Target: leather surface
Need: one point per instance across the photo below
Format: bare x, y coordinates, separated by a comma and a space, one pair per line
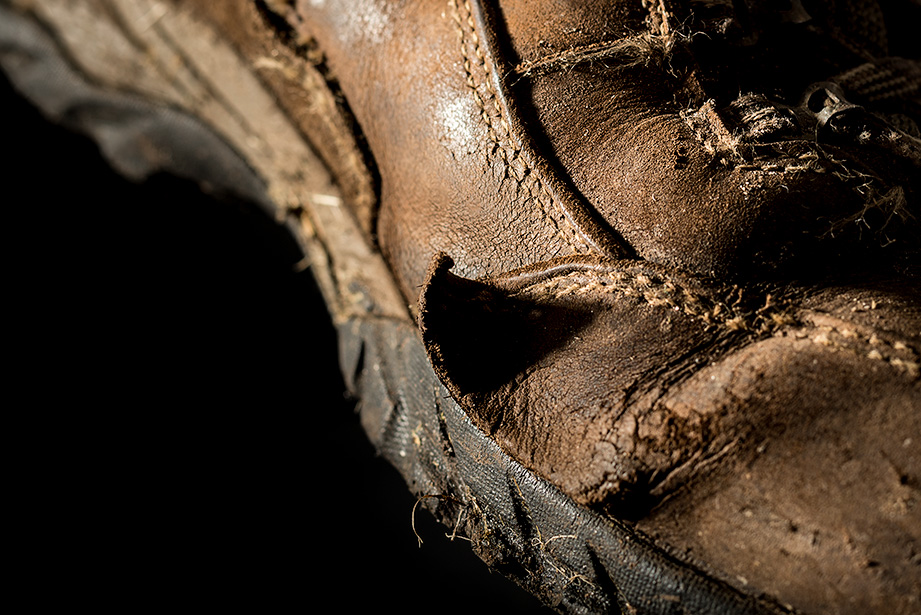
670, 272
428, 103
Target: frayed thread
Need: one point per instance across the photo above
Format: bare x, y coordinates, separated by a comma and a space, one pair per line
638, 50
890, 208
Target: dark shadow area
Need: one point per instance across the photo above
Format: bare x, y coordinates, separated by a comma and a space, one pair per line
187, 440
484, 337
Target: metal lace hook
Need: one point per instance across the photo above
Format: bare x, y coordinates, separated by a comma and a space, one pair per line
824, 105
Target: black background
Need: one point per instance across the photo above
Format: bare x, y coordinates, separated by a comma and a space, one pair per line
184, 438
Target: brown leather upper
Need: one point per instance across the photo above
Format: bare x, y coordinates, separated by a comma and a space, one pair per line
668, 290
429, 105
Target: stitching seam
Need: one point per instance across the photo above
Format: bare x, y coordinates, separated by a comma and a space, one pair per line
661, 291
666, 292
500, 135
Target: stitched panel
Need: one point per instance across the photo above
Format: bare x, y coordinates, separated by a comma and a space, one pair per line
504, 145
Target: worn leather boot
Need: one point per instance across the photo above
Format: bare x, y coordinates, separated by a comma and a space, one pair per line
628, 289
666, 253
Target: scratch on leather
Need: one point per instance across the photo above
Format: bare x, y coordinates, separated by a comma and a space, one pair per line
500, 136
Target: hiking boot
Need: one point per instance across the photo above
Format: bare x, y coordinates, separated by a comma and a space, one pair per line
628, 290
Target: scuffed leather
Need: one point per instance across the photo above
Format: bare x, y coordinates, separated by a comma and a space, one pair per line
645, 283
457, 173
778, 428
617, 379
654, 145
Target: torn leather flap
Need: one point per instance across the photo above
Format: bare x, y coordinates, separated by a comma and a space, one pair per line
567, 365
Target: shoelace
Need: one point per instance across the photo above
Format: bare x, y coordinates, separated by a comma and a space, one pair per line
890, 82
